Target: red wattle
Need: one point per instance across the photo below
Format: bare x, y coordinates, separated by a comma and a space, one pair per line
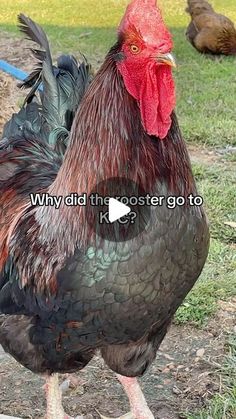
153, 87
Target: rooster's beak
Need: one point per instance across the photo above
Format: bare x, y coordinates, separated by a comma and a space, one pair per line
167, 59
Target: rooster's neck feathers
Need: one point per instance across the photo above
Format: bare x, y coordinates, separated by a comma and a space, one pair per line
107, 141
108, 138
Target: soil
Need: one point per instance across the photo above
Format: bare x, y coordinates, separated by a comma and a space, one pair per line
184, 375
15, 52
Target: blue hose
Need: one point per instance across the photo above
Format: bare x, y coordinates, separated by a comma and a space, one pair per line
14, 71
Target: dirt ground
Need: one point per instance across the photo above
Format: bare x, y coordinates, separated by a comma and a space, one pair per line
184, 375
15, 52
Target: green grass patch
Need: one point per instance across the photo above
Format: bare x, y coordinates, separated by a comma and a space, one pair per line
217, 184
218, 280
222, 405
205, 86
230, 157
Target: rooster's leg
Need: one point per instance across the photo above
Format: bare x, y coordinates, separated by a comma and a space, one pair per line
54, 402
138, 404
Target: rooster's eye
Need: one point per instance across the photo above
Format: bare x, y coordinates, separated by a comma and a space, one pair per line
134, 49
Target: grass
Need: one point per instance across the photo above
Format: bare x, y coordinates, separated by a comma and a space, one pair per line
206, 105
223, 405
217, 184
217, 282
206, 108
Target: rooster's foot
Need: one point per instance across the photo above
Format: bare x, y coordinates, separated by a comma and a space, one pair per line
54, 403
139, 408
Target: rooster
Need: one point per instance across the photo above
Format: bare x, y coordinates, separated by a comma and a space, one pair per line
65, 292
208, 31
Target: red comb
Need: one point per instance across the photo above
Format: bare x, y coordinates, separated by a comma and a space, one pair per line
146, 17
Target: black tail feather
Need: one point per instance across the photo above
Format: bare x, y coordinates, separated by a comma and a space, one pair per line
34, 33
49, 114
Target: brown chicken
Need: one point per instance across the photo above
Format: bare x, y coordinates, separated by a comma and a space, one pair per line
208, 31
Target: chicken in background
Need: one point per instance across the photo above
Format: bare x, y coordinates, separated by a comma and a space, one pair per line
208, 31
66, 293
